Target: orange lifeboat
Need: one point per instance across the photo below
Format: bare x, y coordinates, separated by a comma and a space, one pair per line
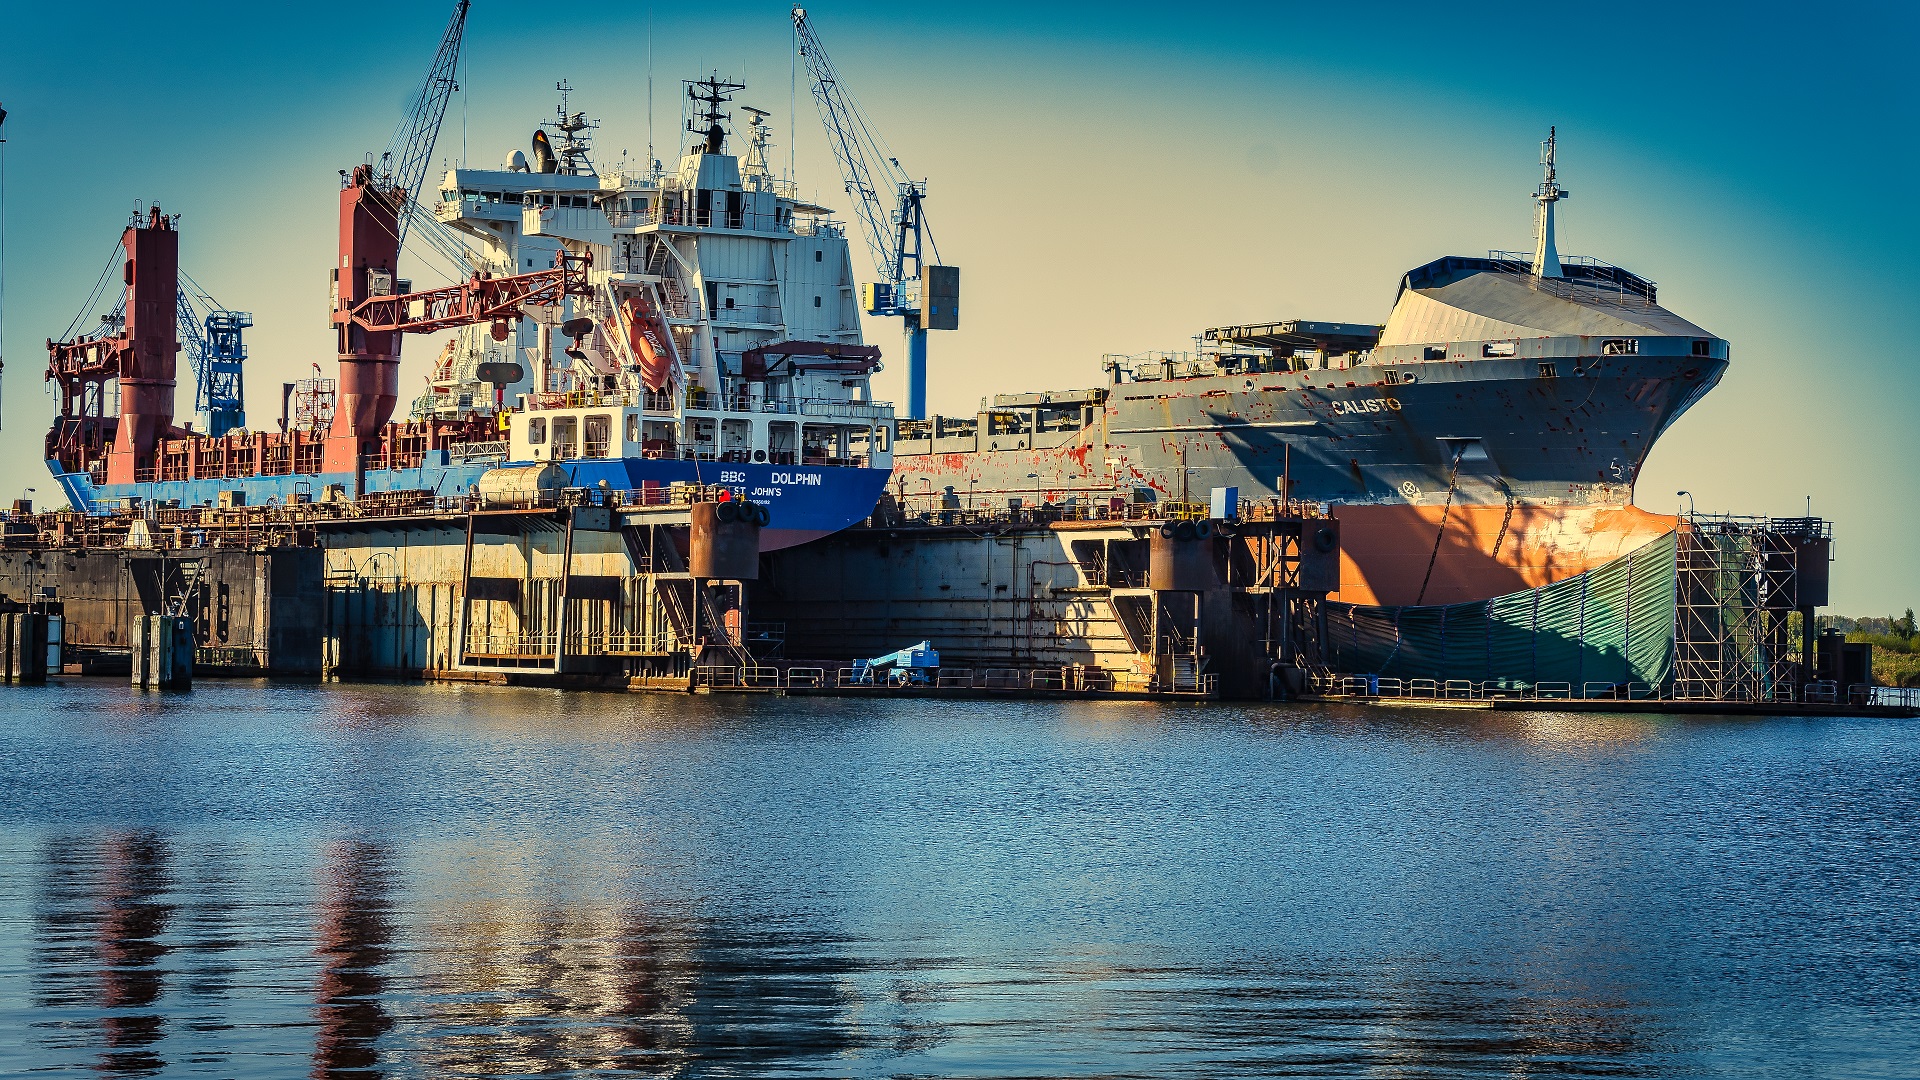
648, 340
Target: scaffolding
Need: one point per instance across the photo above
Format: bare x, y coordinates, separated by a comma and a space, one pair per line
1738, 580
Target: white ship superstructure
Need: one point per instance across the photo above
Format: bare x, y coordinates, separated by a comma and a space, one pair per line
723, 323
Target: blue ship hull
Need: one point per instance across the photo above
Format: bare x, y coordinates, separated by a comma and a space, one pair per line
806, 501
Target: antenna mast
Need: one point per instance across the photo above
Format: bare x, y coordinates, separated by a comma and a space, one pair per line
1546, 259
571, 127
711, 119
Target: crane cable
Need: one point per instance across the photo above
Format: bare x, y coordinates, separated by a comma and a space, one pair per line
93, 297
3, 239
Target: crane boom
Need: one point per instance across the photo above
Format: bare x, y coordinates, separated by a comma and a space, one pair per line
854, 147
411, 150
896, 240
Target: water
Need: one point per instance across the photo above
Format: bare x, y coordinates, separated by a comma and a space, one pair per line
362, 881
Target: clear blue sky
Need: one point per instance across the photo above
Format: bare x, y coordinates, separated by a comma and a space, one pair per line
1112, 178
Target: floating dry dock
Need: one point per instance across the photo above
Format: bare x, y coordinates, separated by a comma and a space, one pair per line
592, 587
667, 590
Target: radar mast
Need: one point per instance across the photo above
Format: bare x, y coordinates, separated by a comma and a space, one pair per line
1546, 258
571, 127
710, 121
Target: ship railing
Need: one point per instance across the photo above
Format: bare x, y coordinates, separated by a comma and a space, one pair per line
818, 226
953, 678
478, 451
1824, 691
716, 675
827, 407
806, 678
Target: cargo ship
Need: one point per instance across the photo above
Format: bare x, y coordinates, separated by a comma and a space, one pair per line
1485, 439
642, 328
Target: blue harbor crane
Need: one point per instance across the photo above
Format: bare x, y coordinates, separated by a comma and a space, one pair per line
211, 336
925, 295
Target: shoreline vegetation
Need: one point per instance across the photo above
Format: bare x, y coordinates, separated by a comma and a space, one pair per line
1895, 641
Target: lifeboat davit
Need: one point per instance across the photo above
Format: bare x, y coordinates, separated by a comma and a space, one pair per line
648, 341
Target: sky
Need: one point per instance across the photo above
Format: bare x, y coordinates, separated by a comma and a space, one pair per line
1110, 177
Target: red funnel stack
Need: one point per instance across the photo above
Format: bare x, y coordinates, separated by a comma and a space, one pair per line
147, 367
369, 359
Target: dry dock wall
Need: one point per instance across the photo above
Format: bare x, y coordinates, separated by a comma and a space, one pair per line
1018, 599
400, 596
253, 610
1030, 598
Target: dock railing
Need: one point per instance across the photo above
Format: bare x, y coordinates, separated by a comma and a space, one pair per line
1369, 686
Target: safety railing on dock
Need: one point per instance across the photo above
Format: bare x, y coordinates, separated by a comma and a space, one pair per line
1336, 685
1095, 505
1073, 678
151, 526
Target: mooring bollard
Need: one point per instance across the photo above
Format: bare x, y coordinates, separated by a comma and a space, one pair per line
163, 652
23, 647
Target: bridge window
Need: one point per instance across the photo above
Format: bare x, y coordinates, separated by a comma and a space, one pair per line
781, 440
537, 431
566, 430
599, 433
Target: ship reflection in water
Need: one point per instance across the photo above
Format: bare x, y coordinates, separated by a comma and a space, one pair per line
475, 882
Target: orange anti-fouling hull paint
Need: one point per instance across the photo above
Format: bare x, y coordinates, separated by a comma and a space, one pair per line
1385, 550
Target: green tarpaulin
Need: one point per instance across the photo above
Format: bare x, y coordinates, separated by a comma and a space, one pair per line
1613, 624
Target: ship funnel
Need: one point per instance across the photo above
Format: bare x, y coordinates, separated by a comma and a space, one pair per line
146, 373
1546, 258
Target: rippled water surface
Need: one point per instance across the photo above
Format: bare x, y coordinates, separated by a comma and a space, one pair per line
262, 880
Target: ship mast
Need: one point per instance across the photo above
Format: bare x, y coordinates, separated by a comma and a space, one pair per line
1546, 259
572, 128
